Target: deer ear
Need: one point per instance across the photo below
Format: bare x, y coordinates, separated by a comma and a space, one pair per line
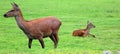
11, 4
15, 4
88, 22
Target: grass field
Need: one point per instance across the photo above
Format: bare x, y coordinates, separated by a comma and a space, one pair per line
105, 15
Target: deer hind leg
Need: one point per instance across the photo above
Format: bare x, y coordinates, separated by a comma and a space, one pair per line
42, 42
54, 40
29, 43
56, 37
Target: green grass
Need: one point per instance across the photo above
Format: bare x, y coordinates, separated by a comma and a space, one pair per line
105, 15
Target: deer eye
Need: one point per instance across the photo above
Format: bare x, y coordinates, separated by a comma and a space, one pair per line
11, 10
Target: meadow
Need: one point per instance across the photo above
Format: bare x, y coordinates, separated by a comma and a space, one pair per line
74, 14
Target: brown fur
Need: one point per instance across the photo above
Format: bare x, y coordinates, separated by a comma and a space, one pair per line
84, 32
38, 28
78, 32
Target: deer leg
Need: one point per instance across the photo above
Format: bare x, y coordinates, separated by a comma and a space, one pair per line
85, 35
56, 37
29, 43
53, 39
92, 35
42, 42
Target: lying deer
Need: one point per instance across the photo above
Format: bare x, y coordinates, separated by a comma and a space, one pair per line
84, 32
38, 28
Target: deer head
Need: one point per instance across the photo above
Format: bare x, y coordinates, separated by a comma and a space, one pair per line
90, 25
12, 12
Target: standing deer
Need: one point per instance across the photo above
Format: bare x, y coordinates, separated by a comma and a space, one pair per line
84, 32
38, 28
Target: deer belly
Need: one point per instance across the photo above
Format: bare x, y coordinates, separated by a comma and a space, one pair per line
29, 35
78, 33
46, 34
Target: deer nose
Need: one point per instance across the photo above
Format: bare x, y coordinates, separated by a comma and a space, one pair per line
5, 15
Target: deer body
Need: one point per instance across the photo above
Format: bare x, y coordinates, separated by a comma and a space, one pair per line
84, 32
38, 28
44, 27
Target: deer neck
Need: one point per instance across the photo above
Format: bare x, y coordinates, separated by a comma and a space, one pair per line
20, 20
87, 29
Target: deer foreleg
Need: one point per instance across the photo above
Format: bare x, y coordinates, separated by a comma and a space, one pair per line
92, 35
29, 43
42, 42
85, 35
